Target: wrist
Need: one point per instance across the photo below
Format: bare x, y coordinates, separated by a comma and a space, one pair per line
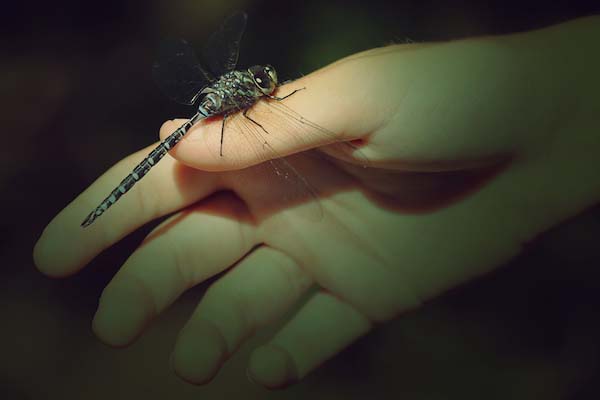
562, 164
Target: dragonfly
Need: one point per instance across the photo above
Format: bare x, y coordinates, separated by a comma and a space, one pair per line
218, 89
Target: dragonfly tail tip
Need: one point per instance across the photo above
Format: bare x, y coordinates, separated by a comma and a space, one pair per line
88, 220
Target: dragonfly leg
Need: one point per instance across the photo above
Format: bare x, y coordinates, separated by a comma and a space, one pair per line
286, 96
222, 132
245, 114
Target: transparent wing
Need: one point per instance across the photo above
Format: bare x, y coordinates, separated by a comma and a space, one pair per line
293, 180
178, 73
277, 183
222, 48
291, 127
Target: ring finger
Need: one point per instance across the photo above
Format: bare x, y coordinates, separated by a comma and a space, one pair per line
258, 290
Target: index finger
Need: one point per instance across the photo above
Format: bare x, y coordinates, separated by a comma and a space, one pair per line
65, 247
316, 110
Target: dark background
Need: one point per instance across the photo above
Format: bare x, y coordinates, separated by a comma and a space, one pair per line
77, 96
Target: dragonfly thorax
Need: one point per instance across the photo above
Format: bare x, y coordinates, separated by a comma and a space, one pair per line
238, 90
235, 90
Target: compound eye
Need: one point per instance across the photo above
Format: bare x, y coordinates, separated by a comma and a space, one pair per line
264, 77
262, 80
270, 71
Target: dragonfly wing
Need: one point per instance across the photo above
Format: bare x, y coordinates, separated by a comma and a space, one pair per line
277, 182
222, 48
291, 127
178, 73
275, 127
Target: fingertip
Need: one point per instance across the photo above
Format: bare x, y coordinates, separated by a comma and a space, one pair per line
123, 312
169, 127
111, 340
41, 255
49, 254
199, 352
271, 367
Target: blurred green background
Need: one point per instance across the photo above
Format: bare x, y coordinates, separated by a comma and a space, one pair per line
77, 96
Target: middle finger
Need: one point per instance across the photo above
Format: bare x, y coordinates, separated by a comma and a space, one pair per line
180, 253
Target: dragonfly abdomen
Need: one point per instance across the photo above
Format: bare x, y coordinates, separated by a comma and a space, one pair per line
142, 169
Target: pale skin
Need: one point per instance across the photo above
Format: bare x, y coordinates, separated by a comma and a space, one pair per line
524, 106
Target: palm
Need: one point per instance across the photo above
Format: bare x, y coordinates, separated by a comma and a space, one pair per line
369, 248
332, 236
372, 255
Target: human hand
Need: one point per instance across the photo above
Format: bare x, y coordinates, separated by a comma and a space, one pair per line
511, 137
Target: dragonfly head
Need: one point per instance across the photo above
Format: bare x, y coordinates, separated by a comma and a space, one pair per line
264, 77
